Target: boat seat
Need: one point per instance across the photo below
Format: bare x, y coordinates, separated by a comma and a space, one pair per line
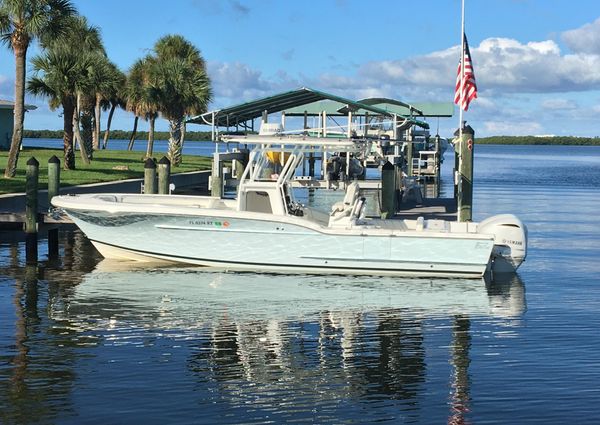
345, 206
349, 206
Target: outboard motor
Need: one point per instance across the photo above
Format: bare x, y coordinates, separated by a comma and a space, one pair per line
510, 241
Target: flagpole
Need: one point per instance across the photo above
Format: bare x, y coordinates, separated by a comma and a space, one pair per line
462, 69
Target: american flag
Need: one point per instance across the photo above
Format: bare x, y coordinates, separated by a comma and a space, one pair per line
466, 85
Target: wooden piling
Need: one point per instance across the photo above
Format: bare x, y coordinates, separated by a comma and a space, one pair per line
388, 190
398, 186
149, 176
409, 157
465, 174
53, 178
216, 178
164, 175
456, 166
53, 243
239, 165
31, 210
438, 165
53, 190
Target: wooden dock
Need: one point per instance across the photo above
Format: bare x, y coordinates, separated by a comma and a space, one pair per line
12, 206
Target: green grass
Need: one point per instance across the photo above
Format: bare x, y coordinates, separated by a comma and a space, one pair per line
100, 170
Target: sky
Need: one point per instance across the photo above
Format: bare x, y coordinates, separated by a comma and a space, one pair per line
536, 62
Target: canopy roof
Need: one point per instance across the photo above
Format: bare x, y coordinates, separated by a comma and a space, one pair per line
291, 102
392, 106
431, 109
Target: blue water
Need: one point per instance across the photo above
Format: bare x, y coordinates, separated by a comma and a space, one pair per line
160, 146
85, 342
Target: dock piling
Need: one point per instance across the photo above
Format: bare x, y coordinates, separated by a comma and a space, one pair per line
465, 174
164, 175
53, 190
388, 190
31, 210
456, 167
53, 178
149, 176
410, 152
216, 178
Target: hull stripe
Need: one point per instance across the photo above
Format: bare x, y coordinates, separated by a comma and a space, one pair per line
314, 267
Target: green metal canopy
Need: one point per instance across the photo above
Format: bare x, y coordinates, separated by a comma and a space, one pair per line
429, 109
239, 114
385, 103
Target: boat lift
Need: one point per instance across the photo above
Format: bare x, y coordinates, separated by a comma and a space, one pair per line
387, 132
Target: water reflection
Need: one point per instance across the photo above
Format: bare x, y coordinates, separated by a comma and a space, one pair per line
266, 346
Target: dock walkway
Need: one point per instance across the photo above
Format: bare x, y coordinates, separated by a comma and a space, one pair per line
12, 205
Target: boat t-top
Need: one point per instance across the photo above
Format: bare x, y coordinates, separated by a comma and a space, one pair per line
266, 229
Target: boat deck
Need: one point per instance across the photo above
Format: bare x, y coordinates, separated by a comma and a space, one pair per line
430, 209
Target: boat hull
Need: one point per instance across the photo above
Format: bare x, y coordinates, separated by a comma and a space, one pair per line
269, 245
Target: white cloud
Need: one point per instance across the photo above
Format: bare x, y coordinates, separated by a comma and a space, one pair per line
585, 39
512, 128
510, 76
501, 64
435, 69
535, 67
558, 104
234, 82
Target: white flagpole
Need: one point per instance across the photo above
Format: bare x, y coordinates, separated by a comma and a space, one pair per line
462, 68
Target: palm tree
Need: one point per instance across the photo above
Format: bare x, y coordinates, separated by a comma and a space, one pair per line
58, 75
180, 85
141, 98
107, 90
134, 93
99, 77
85, 39
114, 98
21, 22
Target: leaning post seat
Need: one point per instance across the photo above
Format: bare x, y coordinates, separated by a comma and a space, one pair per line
345, 207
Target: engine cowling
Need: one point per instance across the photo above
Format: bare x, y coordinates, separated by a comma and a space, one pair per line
510, 241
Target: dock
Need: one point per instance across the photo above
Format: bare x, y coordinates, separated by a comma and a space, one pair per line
12, 205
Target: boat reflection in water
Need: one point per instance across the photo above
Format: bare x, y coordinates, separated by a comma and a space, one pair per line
195, 296
311, 340
259, 347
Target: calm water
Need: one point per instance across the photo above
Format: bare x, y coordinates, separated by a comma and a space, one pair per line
84, 342
160, 146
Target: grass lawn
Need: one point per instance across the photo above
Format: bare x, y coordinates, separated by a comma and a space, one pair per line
107, 165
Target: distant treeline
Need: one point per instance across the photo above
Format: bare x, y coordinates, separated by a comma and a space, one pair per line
120, 135
206, 135
539, 140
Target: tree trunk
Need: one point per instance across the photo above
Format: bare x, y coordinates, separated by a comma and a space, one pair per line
150, 147
96, 127
87, 132
69, 154
82, 145
183, 130
20, 48
107, 132
133, 134
174, 151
